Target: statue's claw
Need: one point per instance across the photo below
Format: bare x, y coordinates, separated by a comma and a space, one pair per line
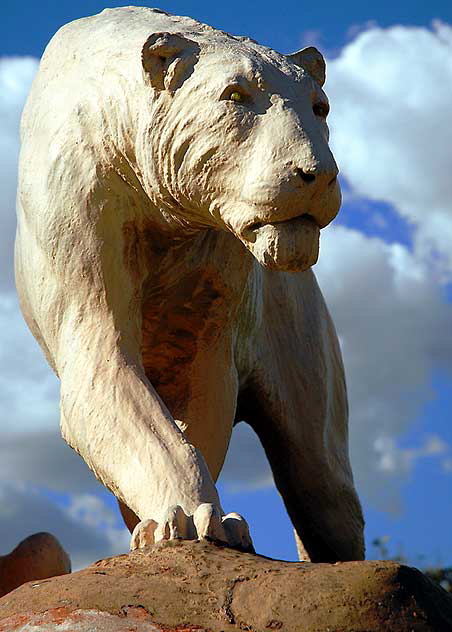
207, 523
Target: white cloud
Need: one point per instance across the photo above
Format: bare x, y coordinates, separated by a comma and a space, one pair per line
92, 512
394, 328
447, 465
86, 528
29, 391
16, 75
396, 460
391, 91
41, 456
391, 94
246, 466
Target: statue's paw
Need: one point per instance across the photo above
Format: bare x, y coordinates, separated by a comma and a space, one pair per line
175, 525
143, 534
237, 532
231, 530
206, 523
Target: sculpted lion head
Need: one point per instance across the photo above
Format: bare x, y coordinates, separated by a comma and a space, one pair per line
237, 139
214, 131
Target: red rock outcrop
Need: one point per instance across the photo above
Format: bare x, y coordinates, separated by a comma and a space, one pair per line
37, 557
191, 585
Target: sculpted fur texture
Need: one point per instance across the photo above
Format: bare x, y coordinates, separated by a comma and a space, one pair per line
173, 183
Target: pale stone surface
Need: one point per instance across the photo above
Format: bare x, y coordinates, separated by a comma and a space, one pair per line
37, 557
173, 183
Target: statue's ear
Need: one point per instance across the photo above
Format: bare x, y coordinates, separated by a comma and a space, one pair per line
311, 60
168, 59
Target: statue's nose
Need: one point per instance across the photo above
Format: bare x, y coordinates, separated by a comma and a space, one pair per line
306, 176
309, 175
317, 188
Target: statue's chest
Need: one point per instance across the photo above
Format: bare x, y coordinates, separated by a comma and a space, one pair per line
181, 322
192, 306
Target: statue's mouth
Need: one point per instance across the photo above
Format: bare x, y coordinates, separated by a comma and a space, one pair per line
290, 244
297, 222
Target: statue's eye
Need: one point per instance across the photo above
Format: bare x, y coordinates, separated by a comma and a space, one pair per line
237, 96
321, 109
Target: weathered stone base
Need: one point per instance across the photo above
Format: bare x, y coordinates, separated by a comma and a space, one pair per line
188, 586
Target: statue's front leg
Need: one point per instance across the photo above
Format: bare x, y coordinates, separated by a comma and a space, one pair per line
113, 417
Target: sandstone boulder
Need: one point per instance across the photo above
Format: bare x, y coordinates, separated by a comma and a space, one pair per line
37, 557
192, 585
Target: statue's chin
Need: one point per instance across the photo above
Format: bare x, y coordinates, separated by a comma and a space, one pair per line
289, 246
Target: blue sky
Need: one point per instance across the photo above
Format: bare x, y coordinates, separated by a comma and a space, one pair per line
26, 28
385, 269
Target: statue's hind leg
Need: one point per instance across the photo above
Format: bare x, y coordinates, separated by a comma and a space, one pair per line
296, 402
312, 475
